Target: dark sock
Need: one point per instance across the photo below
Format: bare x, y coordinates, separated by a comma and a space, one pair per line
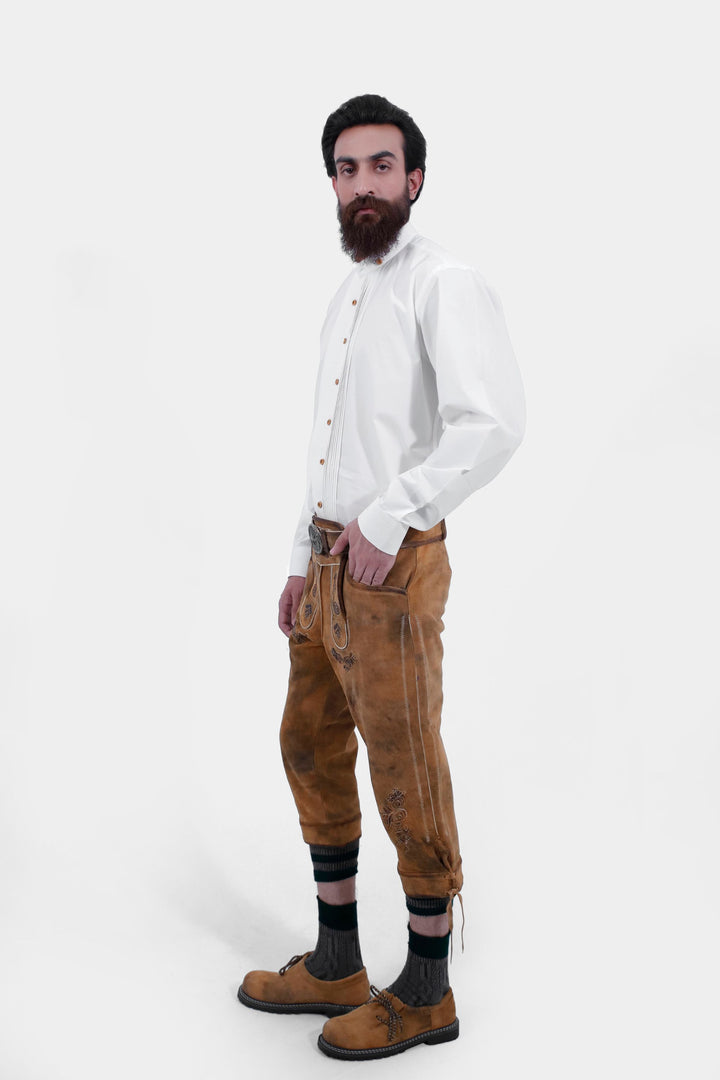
334, 863
337, 953
424, 979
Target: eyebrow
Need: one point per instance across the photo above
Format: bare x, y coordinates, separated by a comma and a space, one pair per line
373, 157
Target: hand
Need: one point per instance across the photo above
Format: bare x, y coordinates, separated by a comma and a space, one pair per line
366, 563
289, 601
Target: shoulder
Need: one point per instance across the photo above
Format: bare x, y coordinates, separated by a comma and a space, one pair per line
430, 256
437, 271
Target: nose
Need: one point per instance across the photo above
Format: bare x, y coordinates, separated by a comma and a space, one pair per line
363, 183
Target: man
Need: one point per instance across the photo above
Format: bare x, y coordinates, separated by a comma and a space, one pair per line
418, 403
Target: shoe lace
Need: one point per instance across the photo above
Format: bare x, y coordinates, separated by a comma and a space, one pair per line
290, 963
393, 1019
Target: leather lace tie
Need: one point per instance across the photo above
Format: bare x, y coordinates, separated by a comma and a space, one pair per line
290, 963
393, 1019
453, 893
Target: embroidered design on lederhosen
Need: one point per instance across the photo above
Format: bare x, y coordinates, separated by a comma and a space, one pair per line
394, 814
346, 661
309, 604
338, 622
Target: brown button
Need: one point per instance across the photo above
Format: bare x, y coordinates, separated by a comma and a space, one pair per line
337, 381
328, 421
322, 460
378, 261
344, 341
319, 504
354, 301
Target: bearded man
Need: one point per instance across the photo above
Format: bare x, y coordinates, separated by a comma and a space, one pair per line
418, 403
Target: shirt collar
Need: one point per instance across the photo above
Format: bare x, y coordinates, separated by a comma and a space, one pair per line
406, 234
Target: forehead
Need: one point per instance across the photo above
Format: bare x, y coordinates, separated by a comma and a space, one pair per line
367, 139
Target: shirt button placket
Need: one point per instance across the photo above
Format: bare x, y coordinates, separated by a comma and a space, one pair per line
337, 383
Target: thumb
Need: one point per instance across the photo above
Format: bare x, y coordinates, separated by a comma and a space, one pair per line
340, 543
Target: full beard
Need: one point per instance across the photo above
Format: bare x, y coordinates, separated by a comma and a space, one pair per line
372, 235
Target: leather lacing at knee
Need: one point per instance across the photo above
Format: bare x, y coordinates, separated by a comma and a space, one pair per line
453, 893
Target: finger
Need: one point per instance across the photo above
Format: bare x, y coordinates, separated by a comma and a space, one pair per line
339, 544
286, 623
366, 575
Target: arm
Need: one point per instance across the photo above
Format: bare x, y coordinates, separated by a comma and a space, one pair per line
301, 547
480, 401
297, 570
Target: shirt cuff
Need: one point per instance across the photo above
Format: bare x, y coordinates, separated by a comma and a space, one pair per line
300, 561
382, 530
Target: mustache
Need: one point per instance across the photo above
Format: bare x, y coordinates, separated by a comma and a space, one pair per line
364, 202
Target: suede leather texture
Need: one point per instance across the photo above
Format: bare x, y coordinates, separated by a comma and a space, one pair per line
370, 1027
298, 986
368, 658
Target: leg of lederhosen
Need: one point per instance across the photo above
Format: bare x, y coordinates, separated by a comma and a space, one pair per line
317, 734
392, 680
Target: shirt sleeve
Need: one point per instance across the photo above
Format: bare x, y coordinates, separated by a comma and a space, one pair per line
301, 547
481, 404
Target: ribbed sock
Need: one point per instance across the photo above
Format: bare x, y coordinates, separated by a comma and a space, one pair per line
424, 979
337, 952
334, 863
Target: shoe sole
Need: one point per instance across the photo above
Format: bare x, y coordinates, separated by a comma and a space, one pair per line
325, 1008
437, 1035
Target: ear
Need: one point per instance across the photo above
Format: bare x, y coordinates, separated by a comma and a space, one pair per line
414, 181
334, 184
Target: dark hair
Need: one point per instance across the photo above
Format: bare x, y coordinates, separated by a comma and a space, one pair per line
374, 109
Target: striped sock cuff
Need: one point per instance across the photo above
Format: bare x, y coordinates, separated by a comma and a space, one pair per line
338, 916
432, 948
335, 863
427, 905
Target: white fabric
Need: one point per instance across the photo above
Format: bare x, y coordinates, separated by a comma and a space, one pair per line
425, 398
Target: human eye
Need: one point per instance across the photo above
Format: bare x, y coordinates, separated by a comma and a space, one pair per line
384, 165
346, 170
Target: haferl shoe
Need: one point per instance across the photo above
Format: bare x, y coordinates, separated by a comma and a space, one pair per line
385, 1025
293, 989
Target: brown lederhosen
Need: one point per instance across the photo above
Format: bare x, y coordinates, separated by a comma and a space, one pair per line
370, 657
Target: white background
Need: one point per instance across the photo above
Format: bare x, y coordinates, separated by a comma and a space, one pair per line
169, 247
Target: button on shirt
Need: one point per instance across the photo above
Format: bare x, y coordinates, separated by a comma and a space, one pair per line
418, 401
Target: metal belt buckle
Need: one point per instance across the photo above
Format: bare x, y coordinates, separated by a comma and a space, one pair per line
316, 538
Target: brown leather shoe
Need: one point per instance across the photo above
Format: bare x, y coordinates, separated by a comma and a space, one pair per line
293, 989
385, 1025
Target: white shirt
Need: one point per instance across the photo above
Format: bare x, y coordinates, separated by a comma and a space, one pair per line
418, 399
